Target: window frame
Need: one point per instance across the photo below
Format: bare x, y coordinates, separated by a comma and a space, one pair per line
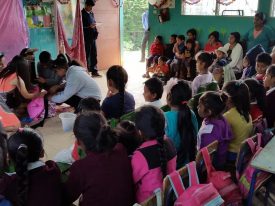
217, 11
272, 11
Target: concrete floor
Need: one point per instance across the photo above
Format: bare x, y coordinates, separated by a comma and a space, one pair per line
55, 139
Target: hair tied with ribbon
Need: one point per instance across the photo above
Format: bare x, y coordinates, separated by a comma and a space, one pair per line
184, 102
22, 146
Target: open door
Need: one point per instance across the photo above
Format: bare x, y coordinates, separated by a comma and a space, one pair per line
107, 15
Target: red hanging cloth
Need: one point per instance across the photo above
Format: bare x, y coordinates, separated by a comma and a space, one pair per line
77, 49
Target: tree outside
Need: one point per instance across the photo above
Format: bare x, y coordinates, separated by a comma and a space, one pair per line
132, 25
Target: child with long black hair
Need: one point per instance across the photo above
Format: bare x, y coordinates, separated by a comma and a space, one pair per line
118, 101
214, 126
181, 123
257, 96
237, 115
35, 182
156, 157
204, 61
103, 177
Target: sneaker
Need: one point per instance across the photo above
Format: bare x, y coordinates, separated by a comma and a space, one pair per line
96, 75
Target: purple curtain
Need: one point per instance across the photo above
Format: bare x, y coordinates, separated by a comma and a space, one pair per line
14, 34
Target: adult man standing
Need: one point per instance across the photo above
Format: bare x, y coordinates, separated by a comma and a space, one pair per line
90, 36
145, 36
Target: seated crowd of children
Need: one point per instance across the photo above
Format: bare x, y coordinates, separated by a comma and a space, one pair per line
127, 163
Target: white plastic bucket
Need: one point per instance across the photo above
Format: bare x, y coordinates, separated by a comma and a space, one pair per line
67, 119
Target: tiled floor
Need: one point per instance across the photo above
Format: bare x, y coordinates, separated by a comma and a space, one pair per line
54, 137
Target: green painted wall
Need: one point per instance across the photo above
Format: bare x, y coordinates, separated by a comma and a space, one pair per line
179, 24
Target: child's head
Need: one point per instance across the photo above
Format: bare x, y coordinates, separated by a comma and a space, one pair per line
158, 39
180, 39
256, 91
173, 38
192, 34
128, 135
221, 53
238, 93
263, 61
178, 99
25, 146
269, 80
117, 79
212, 104
204, 61
44, 57
153, 89
150, 122
88, 104
28, 53
162, 60
190, 44
246, 62
93, 133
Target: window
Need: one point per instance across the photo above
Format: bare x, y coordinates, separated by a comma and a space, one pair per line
273, 9
248, 7
204, 7
211, 7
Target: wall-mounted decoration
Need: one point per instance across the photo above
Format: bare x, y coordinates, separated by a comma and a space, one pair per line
39, 15
164, 15
64, 1
161, 4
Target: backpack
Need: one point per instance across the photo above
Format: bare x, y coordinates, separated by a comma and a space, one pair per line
244, 179
222, 181
196, 194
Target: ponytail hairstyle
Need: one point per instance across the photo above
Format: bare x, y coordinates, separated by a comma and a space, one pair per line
92, 129
215, 102
256, 91
151, 122
119, 77
238, 92
25, 146
19, 66
179, 96
3, 150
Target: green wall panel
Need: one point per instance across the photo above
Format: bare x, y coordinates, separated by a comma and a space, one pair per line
179, 24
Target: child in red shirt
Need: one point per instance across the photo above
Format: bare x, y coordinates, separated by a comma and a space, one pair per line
156, 50
159, 70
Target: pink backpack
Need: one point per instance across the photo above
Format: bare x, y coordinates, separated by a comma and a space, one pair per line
222, 182
196, 194
245, 178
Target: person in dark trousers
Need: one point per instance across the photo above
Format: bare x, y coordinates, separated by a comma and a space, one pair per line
90, 36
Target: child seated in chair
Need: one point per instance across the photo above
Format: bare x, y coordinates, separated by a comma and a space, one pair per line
153, 89
214, 125
156, 50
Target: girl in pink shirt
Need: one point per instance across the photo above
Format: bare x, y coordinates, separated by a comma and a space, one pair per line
156, 157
